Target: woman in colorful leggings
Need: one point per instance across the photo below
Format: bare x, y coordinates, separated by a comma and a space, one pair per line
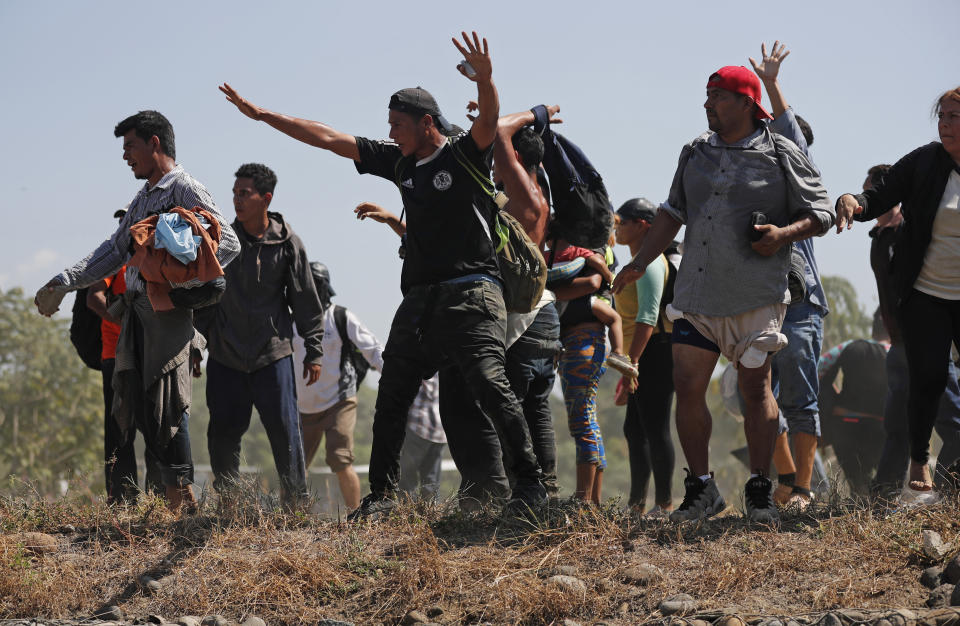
580, 369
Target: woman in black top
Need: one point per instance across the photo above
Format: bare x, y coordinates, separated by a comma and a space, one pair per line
925, 267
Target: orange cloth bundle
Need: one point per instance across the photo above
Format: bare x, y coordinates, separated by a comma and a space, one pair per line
159, 268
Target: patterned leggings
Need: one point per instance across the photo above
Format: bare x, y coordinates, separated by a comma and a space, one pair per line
580, 369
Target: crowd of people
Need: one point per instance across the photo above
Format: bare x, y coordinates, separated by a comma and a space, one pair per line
465, 365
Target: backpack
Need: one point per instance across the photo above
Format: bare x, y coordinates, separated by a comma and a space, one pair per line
348, 351
85, 332
522, 267
673, 256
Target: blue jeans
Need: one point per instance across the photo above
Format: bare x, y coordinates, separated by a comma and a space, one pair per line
231, 396
896, 450
794, 370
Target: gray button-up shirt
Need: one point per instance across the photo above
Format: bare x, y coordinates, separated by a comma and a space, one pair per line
176, 188
715, 189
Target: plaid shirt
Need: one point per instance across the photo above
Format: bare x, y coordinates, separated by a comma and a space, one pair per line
176, 188
423, 420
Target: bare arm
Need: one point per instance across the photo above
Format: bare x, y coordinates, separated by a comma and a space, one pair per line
313, 133
97, 301
484, 128
775, 237
661, 233
527, 203
580, 286
641, 337
767, 70
379, 214
598, 264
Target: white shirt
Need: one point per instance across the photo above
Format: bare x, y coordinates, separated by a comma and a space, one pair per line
331, 388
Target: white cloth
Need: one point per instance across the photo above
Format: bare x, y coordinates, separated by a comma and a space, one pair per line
518, 323
940, 275
329, 388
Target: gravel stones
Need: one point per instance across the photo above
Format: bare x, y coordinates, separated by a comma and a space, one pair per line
678, 604
253, 620
933, 545
569, 583
642, 575
930, 577
940, 597
951, 573
36, 544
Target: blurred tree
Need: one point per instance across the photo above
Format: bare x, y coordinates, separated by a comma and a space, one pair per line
847, 318
51, 406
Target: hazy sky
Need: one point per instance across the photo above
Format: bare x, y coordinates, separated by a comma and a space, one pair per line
629, 77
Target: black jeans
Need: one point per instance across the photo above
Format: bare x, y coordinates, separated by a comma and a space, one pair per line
458, 325
531, 370
647, 424
929, 326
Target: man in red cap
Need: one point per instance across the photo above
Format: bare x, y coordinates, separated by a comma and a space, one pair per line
744, 194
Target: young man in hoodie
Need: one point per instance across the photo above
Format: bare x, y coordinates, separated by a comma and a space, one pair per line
249, 337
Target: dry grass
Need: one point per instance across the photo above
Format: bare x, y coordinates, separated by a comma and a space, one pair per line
293, 568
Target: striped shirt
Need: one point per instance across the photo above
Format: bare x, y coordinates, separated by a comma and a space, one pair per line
423, 420
176, 188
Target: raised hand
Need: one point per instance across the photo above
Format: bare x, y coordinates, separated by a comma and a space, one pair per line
477, 56
769, 66
552, 111
245, 106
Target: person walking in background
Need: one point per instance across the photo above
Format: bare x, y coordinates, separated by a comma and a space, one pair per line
328, 408
646, 333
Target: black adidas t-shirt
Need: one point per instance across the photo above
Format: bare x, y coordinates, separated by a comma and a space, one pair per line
449, 220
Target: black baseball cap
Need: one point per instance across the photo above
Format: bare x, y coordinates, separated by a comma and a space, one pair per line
418, 101
638, 209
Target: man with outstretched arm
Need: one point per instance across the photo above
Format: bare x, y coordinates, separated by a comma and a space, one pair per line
453, 311
151, 380
731, 293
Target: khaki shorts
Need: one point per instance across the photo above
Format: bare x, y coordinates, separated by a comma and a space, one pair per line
744, 339
338, 423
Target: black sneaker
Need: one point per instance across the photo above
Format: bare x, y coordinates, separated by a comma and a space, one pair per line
527, 498
758, 497
372, 507
701, 500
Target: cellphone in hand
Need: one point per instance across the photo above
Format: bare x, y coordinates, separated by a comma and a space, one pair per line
467, 68
757, 218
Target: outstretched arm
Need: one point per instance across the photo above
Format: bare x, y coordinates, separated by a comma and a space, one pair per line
484, 128
314, 133
379, 214
661, 233
767, 70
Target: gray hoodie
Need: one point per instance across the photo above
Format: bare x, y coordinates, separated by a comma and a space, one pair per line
251, 327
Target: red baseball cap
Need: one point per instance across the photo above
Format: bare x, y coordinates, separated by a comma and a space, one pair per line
738, 79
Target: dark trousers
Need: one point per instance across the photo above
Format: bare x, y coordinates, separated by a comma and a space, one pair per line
929, 326
647, 424
120, 462
896, 447
531, 370
231, 396
458, 325
858, 445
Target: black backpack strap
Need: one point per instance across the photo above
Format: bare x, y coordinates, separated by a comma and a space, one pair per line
340, 319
